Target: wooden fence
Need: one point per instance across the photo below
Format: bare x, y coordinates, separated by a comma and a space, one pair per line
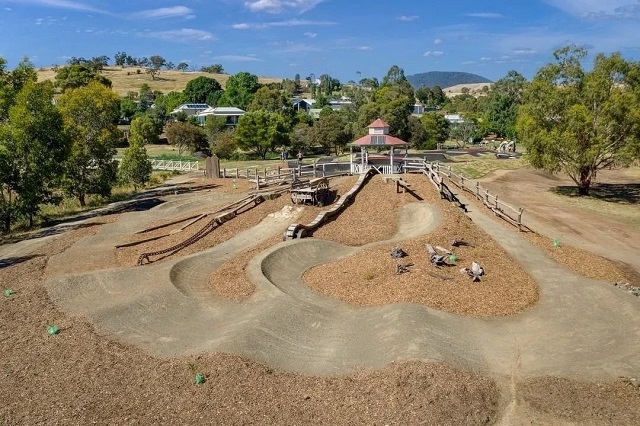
437, 173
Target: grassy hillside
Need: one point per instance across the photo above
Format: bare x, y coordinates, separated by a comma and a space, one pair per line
127, 80
445, 79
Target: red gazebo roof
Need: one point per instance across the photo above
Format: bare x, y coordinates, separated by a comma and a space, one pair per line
379, 123
374, 140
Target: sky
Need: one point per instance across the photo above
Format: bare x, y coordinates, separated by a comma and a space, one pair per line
347, 39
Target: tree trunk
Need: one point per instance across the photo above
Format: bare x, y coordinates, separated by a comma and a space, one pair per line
585, 182
82, 201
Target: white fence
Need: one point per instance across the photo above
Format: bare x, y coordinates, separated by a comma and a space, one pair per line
180, 165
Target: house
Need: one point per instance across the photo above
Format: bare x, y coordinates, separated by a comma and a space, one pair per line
231, 114
303, 104
454, 118
189, 109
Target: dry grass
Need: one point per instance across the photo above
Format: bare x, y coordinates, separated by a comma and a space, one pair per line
126, 80
474, 168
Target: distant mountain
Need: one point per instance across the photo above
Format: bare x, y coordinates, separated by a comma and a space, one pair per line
445, 79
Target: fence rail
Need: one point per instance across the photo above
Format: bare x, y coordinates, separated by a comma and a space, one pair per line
507, 212
180, 165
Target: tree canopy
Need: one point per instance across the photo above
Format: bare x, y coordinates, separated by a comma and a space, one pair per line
578, 122
202, 89
261, 132
240, 89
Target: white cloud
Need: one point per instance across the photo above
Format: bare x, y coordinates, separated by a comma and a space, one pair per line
364, 48
524, 51
165, 12
63, 4
406, 18
278, 6
437, 41
237, 58
292, 47
289, 23
468, 62
488, 15
599, 8
433, 53
311, 35
181, 35
485, 59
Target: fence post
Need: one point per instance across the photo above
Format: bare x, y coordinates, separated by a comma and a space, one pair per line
462, 181
478, 190
486, 195
520, 219
237, 173
496, 201
315, 170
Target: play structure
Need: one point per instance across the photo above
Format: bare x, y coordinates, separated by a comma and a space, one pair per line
314, 192
377, 140
298, 230
227, 213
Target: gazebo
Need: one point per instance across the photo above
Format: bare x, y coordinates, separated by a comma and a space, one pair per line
378, 138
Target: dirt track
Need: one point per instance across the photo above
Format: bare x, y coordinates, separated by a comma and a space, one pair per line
575, 332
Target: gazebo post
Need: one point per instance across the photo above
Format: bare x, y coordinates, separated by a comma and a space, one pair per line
362, 152
391, 159
351, 158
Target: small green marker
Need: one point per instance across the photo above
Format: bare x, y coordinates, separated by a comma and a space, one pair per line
53, 330
453, 258
200, 378
8, 292
556, 242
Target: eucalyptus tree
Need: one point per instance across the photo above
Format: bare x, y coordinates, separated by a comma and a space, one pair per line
578, 122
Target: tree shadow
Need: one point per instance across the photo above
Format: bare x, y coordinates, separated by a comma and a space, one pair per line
610, 192
9, 261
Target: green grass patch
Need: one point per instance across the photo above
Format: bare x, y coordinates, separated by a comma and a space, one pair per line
475, 168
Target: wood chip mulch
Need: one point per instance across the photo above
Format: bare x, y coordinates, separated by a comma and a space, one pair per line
614, 403
369, 277
79, 377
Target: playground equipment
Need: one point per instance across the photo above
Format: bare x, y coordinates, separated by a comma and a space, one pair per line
298, 230
507, 146
315, 192
230, 211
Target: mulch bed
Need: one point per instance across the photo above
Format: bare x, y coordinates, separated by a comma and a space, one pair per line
369, 277
79, 377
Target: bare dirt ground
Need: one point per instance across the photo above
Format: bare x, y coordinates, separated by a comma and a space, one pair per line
83, 376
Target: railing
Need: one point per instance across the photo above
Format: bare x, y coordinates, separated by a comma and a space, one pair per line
180, 165
491, 201
269, 174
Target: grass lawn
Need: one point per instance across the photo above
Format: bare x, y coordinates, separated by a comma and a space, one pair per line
475, 167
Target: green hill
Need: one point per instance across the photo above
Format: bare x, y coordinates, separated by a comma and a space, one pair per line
445, 79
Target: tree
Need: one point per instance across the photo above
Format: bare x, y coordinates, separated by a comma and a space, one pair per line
12, 82
331, 132
418, 133
200, 89
579, 122
186, 136
170, 101
90, 114
437, 129
155, 64
33, 146
128, 108
75, 76
146, 129
240, 89
98, 63
182, 66
501, 107
225, 145
135, 167
120, 59
261, 132
273, 101
213, 69
463, 130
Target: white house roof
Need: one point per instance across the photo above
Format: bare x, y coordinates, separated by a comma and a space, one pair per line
223, 111
454, 118
189, 107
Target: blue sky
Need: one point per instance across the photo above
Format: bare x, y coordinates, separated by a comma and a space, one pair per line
348, 39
